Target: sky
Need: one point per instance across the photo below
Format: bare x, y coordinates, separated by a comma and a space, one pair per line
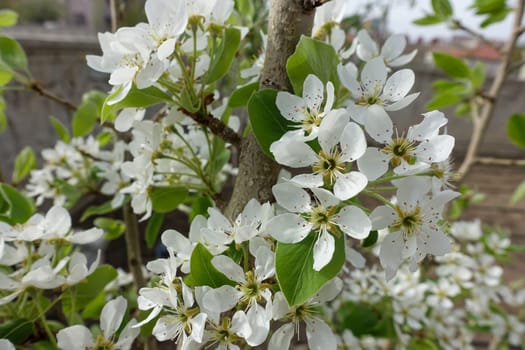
402, 14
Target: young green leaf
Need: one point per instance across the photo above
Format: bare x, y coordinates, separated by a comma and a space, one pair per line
12, 56
166, 199
453, 66
266, 120
113, 228
153, 228
8, 18
312, 57
203, 273
516, 129
225, 54
87, 114
15, 207
24, 163
294, 268
442, 8
60, 129
428, 20
241, 96
519, 193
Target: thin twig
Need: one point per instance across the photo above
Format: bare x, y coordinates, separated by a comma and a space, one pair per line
487, 107
499, 161
460, 26
113, 8
35, 86
216, 126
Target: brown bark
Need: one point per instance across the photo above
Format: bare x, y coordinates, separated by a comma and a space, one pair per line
288, 20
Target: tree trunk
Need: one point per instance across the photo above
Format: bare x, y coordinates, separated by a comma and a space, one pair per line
288, 20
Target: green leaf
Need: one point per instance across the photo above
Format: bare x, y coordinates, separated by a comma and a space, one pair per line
442, 8
495, 17
5, 76
453, 66
153, 228
428, 20
483, 7
422, 344
80, 295
200, 206
113, 228
134, 99
241, 96
225, 54
294, 268
60, 129
361, 319
3, 118
516, 129
519, 193
12, 56
267, 122
19, 207
442, 100
8, 18
166, 199
43, 345
17, 331
94, 308
86, 116
24, 163
371, 239
101, 209
104, 138
312, 57
478, 75
462, 109
203, 273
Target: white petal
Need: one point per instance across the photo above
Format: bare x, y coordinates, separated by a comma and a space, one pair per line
319, 335
6, 345
111, 316
382, 217
288, 228
166, 49
350, 184
240, 325
328, 292
353, 143
291, 107
313, 92
373, 163
354, 222
398, 85
437, 243
308, 180
329, 97
229, 268
264, 263
128, 335
348, 78
391, 249
57, 222
331, 127
378, 124
402, 103
429, 127
436, 149
393, 47
221, 299
325, 197
366, 47
373, 76
324, 249
74, 338
122, 75
291, 197
176, 241
149, 75
282, 337
198, 323
259, 323
403, 59
295, 154
85, 237
355, 258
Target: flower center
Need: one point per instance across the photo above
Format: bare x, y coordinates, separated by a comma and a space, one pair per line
329, 165
408, 222
400, 149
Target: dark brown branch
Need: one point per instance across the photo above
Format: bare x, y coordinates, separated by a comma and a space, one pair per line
133, 246
35, 86
310, 5
216, 126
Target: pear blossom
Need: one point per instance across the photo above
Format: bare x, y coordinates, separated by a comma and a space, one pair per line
111, 317
391, 52
414, 223
306, 111
413, 153
323, 217
341, 142
374, 94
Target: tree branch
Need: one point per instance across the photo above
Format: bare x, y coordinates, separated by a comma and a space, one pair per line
499, 161
35, 86
133, 246
288, 20
216, 126
487, 107
460, 26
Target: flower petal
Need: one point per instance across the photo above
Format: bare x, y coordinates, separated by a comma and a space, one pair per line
349, 185
288, 228
354, 222
324, 249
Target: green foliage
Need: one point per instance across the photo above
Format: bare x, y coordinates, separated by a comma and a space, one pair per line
224, 55
363, 319
166, 199
15, 208
371, 239
516, 129
3, 118
294, 268
453, 66
12, 58
100, 209
61, 130
422, 344
241, 96
113, 228
494, 11
312, 57
519, 193
86, 116
267, 122
134, 99
467, 198
17, 331
8, 18
153, 228
24, 163
203, 273
442, 12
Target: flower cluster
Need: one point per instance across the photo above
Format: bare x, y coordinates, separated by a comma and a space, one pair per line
462, 294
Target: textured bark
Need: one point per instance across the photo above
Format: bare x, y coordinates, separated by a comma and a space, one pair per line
288, 20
